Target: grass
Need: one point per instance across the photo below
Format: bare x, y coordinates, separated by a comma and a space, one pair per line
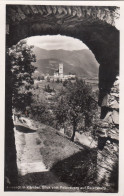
41, 96
71, 164
55, 147
68, 164
38, 141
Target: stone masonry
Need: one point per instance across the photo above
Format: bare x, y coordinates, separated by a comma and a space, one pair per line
108, 139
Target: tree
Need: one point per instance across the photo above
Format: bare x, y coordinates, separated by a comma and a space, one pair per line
48, 79
48, 89
42, 77
58, 80
65, 83
74, 104
20, 59
18, 70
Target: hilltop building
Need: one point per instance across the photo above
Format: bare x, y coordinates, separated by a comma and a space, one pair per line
61, 70
59, 73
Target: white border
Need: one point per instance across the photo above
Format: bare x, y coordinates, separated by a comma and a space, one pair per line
55, 2
2, 89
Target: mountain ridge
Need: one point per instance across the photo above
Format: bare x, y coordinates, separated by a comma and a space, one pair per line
79, 62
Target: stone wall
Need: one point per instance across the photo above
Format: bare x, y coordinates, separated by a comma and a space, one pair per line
62, 14
108, 139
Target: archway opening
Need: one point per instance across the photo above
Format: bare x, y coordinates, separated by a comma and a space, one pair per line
61, 99
58, 61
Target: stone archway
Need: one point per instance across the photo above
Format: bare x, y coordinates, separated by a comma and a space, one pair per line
92, 25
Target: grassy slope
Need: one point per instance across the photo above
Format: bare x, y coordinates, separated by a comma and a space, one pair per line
55, 147
68, 165
72, 164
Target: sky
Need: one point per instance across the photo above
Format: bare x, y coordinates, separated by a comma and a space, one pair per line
56, 42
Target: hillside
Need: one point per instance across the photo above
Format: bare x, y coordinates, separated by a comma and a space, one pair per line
45, 157
80, 62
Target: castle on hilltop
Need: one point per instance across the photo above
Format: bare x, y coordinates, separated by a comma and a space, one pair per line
59, 73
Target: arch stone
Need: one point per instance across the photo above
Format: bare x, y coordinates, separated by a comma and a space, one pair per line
94, 26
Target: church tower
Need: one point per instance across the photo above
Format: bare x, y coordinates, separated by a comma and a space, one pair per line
61, 69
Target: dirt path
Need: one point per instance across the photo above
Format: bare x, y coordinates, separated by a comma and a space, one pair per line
31, 168
30, 159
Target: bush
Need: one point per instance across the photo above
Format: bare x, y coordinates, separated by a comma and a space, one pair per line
48, 89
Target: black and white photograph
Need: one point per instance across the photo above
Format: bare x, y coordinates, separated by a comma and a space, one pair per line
62, 73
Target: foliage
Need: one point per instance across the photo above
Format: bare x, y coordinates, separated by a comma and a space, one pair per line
20, 57
48, 89
58, 80
65, 83
38, 109
40, 78
48, 79
41, 112
76, 102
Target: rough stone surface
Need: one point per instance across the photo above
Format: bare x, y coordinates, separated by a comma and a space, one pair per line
108, 165
86, 12
115, 117
107, 157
